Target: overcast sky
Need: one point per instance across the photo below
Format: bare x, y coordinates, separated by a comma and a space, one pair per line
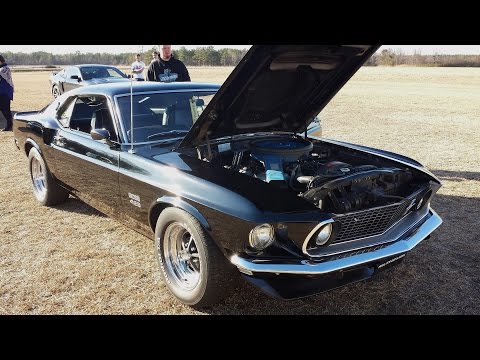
62, 49
115, 49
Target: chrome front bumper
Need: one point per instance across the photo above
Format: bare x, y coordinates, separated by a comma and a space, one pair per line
306, 267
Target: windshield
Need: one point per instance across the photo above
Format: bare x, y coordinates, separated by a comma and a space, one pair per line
159, 116
98, 72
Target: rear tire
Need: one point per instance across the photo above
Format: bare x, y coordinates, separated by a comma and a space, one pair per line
194, 269
45, 188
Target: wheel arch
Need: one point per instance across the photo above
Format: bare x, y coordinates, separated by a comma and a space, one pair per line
29, 144
57, 84
169, 201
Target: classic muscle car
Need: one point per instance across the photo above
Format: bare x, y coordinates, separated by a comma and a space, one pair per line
228, 180
75, 76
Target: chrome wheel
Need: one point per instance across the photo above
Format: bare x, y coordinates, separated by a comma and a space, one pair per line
38, 179
55, 92
193, 267
182, 262
45, 188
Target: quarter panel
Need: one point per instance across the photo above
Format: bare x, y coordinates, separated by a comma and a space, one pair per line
35, 129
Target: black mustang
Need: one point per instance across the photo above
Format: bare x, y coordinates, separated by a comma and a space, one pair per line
228, 180
75, 76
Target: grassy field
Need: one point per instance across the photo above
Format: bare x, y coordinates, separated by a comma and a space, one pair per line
71, 259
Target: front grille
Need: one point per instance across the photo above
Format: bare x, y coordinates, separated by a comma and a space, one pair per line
370, 222
355, 252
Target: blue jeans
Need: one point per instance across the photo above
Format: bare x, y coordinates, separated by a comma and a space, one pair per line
5, 108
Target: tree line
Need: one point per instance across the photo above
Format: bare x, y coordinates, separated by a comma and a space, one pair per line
389, 57
208, 56
201, 56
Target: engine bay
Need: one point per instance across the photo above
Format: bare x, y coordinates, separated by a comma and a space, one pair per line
334, 178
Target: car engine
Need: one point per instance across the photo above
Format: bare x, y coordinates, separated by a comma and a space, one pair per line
340, 187
334, 180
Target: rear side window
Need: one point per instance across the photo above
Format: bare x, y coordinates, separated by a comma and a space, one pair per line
65, 114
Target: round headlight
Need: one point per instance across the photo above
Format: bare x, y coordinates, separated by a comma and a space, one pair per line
323, 234
261, 236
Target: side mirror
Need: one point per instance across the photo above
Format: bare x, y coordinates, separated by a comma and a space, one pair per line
100, 134
76, 77
103, 134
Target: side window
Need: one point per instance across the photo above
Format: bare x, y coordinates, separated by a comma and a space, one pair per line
114, 73
68, 72
102, 119
84, 112
71, 71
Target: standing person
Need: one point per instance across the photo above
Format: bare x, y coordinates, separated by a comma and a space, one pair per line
6, 92
167, 68
154, 56
137, 69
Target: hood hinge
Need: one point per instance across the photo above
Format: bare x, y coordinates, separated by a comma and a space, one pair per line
209, 148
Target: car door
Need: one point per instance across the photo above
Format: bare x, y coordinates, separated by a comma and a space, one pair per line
73, 78
88, 167
59, 80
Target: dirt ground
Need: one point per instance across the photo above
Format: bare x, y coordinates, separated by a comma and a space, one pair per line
71, 259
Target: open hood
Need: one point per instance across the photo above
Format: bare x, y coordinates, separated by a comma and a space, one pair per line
278, 88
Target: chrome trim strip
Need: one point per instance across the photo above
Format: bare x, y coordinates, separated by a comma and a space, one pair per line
306, 267
309, 236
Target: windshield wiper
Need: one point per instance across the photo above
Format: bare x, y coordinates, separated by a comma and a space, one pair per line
167, 134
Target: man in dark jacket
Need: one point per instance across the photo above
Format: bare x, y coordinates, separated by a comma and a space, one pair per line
167, 68
6, 92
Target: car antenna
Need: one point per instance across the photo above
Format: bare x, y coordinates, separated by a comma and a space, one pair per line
131, 151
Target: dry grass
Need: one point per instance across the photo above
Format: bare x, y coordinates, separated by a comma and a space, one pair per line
73, 260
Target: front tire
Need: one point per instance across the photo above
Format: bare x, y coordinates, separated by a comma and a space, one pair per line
56, 91
45, 188
193, 267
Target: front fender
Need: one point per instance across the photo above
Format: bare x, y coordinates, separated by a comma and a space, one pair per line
167, 201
